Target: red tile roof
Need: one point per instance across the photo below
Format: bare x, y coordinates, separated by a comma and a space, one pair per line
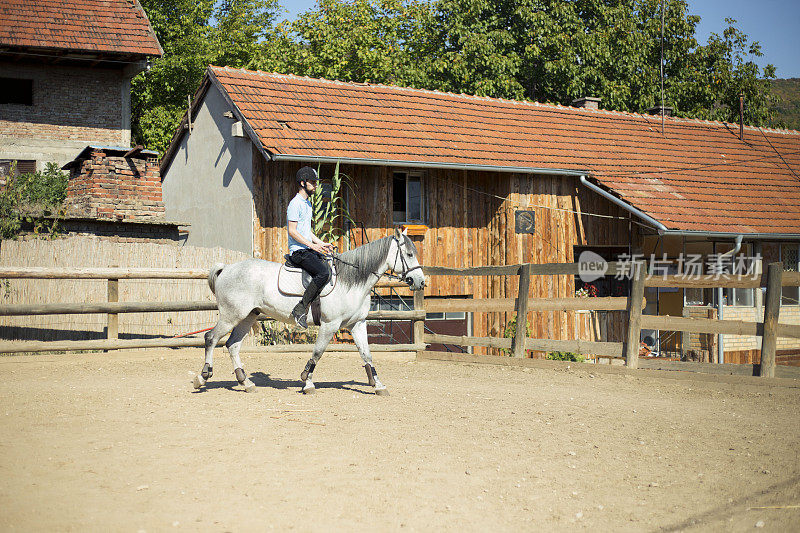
698, 175
110, 26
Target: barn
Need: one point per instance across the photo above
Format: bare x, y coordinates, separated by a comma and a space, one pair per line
482, 181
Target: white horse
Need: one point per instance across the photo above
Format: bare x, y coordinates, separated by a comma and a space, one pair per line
250, 287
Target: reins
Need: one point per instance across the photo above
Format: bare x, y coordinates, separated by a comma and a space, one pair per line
338, 257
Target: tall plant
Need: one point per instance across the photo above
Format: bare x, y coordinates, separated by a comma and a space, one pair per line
331, 214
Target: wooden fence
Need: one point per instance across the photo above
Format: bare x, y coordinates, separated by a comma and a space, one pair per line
112, 308
770, 329
81, 252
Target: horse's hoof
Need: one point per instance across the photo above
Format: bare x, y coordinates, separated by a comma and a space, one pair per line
382, 392
198, 381
249, 386
309, 389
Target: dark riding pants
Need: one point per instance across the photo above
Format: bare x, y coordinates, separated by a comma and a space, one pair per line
314, 263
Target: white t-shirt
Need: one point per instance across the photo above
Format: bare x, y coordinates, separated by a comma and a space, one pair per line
300, 211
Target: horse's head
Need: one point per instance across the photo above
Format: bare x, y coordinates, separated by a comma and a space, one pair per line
403, 260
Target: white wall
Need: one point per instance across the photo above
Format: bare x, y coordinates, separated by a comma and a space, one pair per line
209, 182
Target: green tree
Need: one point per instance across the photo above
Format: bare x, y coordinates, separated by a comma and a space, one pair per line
193, 34
726, 68
559, 50
543, 50
359, 40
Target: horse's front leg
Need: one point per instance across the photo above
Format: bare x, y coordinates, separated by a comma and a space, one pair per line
326, 332
359, 332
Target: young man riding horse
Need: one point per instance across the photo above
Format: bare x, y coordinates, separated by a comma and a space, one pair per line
250, 288
306, 250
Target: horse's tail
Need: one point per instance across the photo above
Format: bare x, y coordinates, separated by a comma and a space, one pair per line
213, 274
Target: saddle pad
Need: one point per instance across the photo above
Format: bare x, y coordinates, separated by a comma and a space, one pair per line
293, 281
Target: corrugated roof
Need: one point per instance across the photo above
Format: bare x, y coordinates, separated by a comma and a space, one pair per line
108, 26
696, 176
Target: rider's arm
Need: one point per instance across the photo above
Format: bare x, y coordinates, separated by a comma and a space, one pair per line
315, 244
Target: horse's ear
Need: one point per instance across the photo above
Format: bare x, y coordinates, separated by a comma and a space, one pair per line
397, 231
405, 231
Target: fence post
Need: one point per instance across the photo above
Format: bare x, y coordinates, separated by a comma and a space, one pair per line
518, 344
686, 337
772, 307
112, 330
631, 349
418, 326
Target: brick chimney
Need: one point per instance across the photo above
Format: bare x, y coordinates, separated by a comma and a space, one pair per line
587, 102
116, 184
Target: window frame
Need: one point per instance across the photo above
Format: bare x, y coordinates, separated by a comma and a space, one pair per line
405, 175
730, 294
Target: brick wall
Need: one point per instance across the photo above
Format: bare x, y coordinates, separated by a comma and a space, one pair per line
70, 103
789, 314
115, 188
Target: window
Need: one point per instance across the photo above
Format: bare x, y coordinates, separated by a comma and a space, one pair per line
16, 91
391, 303
695, 254
406, 303
698, 257
741, 297
19, 166
607, 285
789, 257
406, 197
450, 315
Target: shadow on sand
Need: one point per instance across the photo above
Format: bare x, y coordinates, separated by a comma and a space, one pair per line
264, 380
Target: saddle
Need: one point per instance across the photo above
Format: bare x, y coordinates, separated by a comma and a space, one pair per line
293, 280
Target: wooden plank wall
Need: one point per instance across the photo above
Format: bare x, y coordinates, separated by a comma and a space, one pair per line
470, 216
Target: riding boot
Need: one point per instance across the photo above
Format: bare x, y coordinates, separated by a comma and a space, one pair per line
301, 309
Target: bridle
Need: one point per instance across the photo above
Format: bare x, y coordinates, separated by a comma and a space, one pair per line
406, 269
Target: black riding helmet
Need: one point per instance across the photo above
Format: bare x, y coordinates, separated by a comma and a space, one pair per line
307, 174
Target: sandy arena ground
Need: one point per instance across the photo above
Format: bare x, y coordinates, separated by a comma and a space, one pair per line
121, 442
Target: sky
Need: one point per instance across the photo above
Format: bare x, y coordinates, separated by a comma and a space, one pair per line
773, 23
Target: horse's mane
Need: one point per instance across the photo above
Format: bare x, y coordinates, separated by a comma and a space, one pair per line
357, 266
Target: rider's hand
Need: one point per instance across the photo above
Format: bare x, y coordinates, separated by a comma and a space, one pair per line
319, 248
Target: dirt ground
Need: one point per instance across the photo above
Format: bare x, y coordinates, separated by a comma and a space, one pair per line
121, 442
